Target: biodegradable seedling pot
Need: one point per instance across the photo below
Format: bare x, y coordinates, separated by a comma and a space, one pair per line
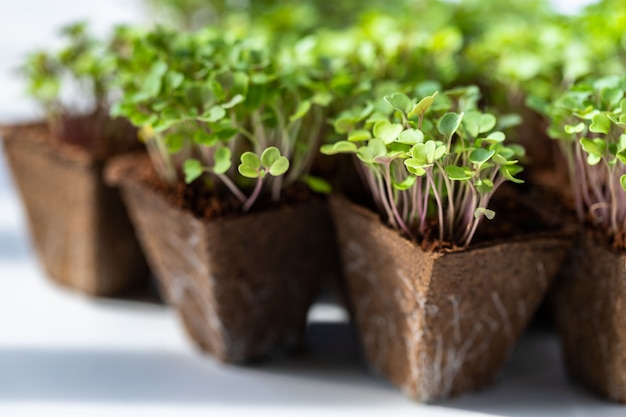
78, 224
438, 324
589, 300
243, 284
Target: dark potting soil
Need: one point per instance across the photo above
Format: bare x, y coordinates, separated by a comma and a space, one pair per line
203, 202
520, 211
613, 241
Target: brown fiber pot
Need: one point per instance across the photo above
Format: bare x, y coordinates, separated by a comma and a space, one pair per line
439, 324
242, 285
589, 301
79, 225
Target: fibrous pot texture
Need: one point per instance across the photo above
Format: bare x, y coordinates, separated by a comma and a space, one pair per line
242, 284
439, 324
78, 224
589, 301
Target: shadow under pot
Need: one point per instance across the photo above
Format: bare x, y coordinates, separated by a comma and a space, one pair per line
242, 284
438, 324
78, 224
589, 302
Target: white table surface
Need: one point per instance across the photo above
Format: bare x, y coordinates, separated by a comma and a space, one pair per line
62, 354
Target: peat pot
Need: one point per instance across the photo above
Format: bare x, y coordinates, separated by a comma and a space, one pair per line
589, 301
241, 284
438, 324
78, 224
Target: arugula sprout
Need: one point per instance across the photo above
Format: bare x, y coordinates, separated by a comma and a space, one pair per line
438, 154
589, 120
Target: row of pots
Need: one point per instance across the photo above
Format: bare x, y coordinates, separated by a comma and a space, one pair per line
435, 323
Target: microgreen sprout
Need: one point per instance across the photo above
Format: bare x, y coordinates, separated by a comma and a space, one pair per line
73, 85
589, 120
207, 101
438, 155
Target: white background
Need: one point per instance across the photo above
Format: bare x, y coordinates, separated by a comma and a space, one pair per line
66, 355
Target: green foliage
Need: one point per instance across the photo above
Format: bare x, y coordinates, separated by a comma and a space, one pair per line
73, 85
214, 99
438, 155
589, 122
83, 63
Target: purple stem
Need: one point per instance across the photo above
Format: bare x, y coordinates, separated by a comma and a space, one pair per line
254, 195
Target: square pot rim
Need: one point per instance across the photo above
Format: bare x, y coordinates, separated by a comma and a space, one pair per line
21, 132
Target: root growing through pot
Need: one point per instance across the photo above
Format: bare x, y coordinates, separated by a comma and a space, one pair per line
436, 333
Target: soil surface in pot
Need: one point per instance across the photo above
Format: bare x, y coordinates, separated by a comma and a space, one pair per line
527, 210
199, 200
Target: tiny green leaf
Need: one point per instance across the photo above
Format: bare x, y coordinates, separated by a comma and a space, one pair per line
457, 173
248, 171
301, 111
359, 135
593, 147
440, 151
374, 149
424, 104
486, 122
317, 184
405, 184
415, 167
482, 211
192, 169
400, 102
480, 156
387, 131
600, 124
174, 142
279, 167
410, 136
153, 81
593, 159
269, 156
484, 186
338, 147
214, 114
622, 181
251, 159
471, 123
449, 124
222, 160
343, 124
322, 99
611, 97
496, 136
203, 138
237, 98
509, 172
573, 129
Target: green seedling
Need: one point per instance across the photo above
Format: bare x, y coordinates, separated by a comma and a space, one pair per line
436, 155
589, 121
207, 101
